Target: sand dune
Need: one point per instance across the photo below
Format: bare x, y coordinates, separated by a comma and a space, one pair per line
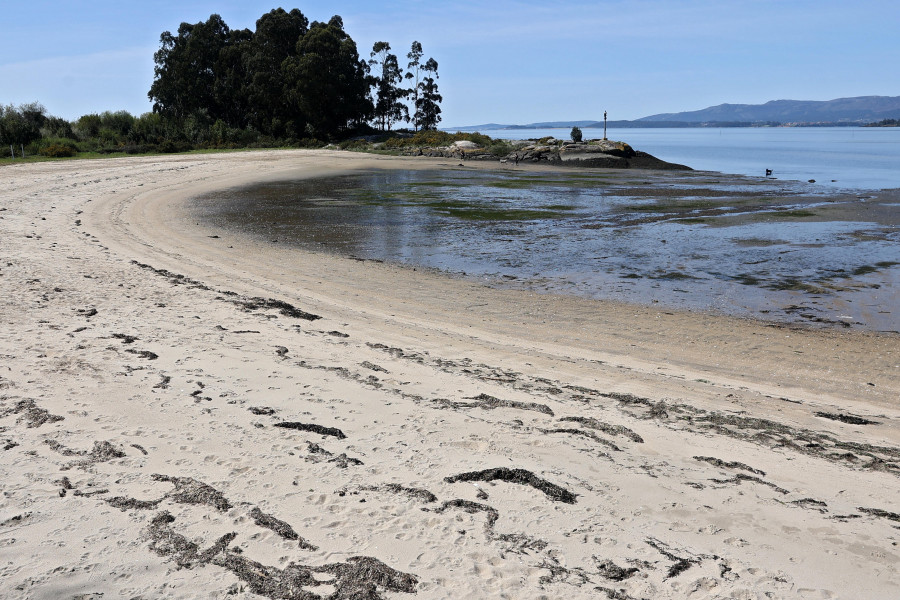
189, 413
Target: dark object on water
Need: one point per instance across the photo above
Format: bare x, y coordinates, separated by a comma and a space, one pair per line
768, 172
312, 427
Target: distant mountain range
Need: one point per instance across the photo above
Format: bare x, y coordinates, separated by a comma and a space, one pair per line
842, 111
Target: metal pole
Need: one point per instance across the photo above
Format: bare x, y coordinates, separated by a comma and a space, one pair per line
604, 124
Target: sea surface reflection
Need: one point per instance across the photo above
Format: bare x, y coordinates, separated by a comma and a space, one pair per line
768, 249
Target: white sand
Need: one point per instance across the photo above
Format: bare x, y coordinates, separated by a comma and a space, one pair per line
398, 363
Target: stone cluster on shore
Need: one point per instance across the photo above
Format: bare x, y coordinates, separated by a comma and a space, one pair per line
593, 153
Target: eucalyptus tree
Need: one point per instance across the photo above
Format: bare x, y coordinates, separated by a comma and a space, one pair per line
186, 64
389, 107
278, 34
230, 91
414, 72
428, 109
327, 80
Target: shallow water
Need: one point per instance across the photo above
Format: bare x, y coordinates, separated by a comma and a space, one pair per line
864, 158
701, 241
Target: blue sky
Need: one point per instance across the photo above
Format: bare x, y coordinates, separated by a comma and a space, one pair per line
502, 61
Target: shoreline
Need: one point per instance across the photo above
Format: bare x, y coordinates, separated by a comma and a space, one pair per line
752, 294
427, 378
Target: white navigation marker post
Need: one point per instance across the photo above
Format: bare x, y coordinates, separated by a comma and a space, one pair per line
604, 124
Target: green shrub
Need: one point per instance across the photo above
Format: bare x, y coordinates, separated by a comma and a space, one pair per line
432, 138
136, 148
57, 151
169, 146
500, 148
354, 145
54, 147
576, 134
310, 143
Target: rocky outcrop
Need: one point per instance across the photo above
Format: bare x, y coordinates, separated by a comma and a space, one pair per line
594, 153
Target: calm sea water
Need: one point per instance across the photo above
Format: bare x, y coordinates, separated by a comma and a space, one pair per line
772, 249
843, 157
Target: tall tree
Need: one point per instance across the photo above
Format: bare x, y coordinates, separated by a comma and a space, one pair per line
428, 110
388, 94
230, 94
185, 72
328, 82
275, 41
414, 72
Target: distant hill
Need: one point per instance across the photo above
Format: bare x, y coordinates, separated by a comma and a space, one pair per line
862, 109
848, 111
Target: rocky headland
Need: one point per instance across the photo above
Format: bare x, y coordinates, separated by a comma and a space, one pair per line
592, 153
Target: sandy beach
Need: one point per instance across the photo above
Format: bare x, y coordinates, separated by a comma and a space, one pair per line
187, 412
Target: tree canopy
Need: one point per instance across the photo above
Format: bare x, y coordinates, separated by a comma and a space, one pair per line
287, 79
289, 82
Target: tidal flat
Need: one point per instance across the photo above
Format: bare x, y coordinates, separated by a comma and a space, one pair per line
764, 248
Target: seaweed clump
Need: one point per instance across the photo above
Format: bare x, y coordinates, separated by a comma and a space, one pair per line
488, 402
593, 423
190, 491
718, 462
519, 476
313, 428
849, 419
280, 527
612, 571
360, 577
31, 413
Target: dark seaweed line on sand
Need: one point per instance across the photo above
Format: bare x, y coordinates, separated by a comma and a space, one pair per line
312, 428
519, 476
754, 430
520, 542
245, 303
360, 577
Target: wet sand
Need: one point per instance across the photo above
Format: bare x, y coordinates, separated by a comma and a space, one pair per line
187, 412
